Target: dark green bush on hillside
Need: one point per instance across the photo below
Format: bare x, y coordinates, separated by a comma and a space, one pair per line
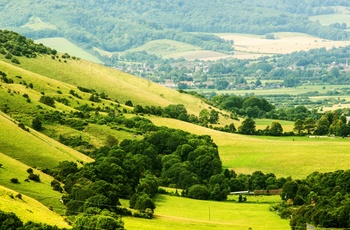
47, 101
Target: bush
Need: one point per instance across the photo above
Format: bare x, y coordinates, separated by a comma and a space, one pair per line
15, 60
30, 171
47, 101
34, 177
198, 192
14, 180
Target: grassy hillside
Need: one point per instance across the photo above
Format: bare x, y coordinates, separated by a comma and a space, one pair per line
28, 209
34, 148
118, 85
40, 191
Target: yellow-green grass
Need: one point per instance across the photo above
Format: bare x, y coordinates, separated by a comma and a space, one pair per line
263, 123
65, 46
328, 19
34, 148
116, 84
29, 209
183, 213
284, 156
41, 191
254, 46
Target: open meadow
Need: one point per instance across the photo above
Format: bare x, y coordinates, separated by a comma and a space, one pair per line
283, 156
65, 46
182, 213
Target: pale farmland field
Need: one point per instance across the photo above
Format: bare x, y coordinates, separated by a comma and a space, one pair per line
182, 213
254, 46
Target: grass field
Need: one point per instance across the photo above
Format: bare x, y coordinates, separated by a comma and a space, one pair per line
64, 46
284, 156
182, 213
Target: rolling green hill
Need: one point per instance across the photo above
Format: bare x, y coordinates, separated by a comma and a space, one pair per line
85, 96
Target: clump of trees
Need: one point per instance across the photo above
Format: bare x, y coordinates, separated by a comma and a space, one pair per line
13, 44
322, 199
330, 123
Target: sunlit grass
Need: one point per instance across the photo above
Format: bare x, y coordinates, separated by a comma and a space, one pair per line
183, 213
29, 209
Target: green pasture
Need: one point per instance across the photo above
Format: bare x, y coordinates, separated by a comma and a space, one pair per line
283, 156
40, 191
65, 46
182, 213
328, 19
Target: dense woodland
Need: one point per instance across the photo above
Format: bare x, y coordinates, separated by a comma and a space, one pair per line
114, 25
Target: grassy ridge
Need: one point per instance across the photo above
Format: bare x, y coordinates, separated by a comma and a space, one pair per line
182, 213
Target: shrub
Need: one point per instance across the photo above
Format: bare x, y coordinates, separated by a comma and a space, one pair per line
47, 101
129, 103
34, 177
30, 171
19, 196
15, 60
14, 180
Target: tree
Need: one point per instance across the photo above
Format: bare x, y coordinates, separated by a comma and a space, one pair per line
214, 116
290, 189
111, 141
198, 192
36, 124
299, 126
247, 127
309, 125
276, 129
204, 117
